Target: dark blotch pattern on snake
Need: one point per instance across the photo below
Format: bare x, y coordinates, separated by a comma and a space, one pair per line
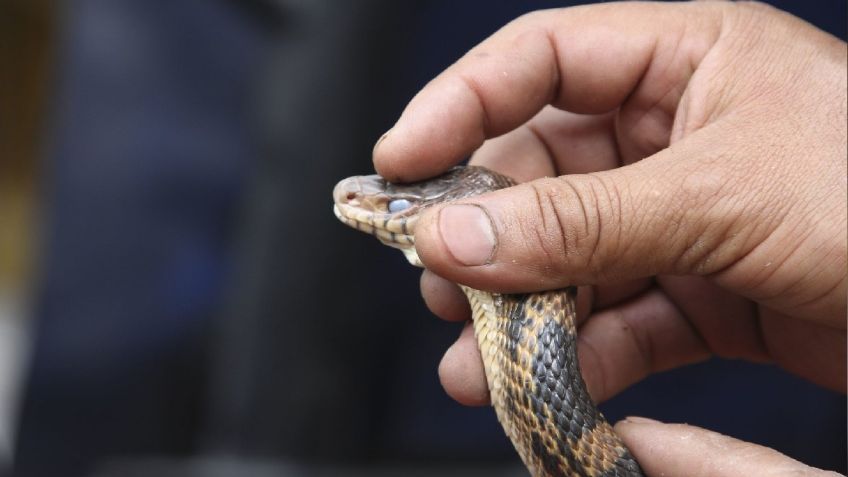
527, 341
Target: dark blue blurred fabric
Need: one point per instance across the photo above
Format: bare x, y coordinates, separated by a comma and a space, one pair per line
149, 147
153, 143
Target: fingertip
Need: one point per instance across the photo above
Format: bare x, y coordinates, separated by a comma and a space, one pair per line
461, 371
395, 159
635, 421
438, 129
431, 248
444, 298
638, 434
388, 160
621, 345
682, 449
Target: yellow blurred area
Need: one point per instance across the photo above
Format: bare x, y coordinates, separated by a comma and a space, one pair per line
26, 44
25, 57
16, 206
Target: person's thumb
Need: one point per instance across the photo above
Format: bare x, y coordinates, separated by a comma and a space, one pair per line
668, 213
682, 450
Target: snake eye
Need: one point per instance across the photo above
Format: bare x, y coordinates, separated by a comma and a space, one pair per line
399, 205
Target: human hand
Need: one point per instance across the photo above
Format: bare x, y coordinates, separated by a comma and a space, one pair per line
682, 450
704, 198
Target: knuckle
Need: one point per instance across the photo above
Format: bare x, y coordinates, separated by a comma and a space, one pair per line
547, 229
532, 18
600, 204
579, 222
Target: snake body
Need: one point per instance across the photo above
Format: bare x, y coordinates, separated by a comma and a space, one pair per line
527, 341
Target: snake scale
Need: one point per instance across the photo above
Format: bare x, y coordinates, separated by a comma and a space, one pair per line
527, 341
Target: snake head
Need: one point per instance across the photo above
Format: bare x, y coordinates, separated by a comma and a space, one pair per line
390, 211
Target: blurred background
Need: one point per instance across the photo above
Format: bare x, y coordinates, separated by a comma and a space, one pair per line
176, 297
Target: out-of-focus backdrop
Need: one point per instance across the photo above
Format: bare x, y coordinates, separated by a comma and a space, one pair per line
176, 297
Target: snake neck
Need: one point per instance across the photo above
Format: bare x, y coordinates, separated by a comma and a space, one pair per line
528, 345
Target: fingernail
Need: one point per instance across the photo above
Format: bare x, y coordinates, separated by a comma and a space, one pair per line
468, 233
640, 420
381, 139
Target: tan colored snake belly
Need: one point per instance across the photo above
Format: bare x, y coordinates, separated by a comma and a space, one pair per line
527, 341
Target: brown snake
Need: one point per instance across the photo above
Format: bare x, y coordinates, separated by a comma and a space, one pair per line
527, 341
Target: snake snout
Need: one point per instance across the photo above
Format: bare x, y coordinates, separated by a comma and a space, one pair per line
353, 190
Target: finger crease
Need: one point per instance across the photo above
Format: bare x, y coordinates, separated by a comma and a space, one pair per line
474, 87
556, 76
541, 139
643, 346
598, 358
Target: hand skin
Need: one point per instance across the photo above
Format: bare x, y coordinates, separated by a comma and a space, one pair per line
684, 163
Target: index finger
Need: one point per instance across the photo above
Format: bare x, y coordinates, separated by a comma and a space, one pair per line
588, 59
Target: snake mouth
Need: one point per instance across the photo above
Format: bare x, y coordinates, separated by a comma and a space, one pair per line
362, 203
387, 230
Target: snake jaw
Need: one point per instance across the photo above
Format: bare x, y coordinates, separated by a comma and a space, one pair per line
360, 203
378, 226
363, 221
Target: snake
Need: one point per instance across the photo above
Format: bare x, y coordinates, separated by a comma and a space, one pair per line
527, 341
